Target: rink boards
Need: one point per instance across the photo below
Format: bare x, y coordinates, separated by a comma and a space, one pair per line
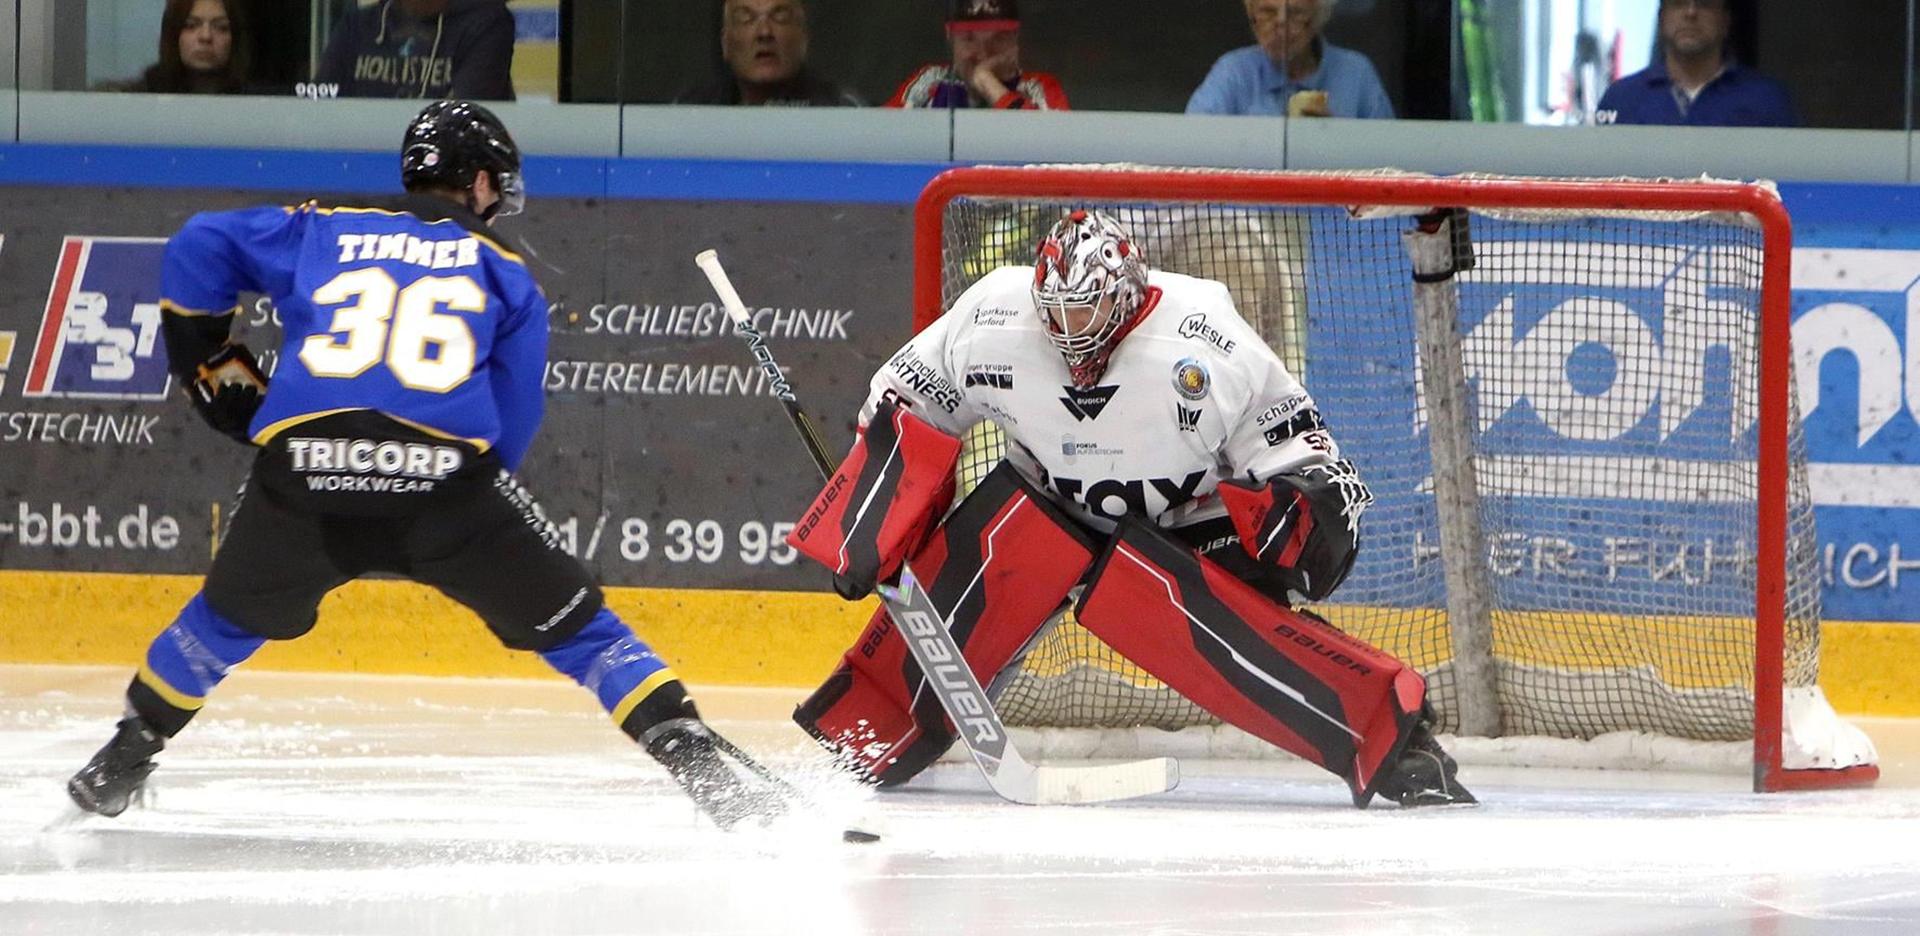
667, 469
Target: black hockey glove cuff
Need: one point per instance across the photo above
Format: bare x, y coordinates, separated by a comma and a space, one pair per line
228, 390
1303, 523
851, 589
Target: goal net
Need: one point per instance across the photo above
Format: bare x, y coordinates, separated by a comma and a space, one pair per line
1592, 512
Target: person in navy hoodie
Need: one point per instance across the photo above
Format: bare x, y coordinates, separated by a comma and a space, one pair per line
423, 49
1693, 80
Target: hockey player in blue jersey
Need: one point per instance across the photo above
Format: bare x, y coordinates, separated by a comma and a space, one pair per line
408, 390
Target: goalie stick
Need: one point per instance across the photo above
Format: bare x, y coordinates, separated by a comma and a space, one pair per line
932, 645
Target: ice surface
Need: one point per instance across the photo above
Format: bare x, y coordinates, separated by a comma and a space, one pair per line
316, 804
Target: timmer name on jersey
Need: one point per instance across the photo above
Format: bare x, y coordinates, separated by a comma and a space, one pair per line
407, 309
1190, 398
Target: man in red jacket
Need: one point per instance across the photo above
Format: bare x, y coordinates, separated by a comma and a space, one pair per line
985, 71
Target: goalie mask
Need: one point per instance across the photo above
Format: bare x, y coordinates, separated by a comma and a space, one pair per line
1088, 285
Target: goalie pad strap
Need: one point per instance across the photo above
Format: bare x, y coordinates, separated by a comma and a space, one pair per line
1284, 676
891, 487
999, 567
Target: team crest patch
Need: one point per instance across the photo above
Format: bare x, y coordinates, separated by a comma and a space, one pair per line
1190, 378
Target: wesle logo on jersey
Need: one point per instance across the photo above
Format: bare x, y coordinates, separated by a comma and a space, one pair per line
100, 334
1197, 327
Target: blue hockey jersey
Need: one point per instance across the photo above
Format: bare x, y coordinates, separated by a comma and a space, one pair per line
409, 312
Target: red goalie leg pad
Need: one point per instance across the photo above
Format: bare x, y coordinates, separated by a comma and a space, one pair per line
999, 568
897, 480
1285, 677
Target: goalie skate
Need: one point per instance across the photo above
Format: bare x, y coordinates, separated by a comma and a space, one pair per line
1425, 775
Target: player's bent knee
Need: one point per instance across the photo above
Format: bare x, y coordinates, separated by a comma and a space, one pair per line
1284, 676
269, 616
632, 682
185, 662
1000, 566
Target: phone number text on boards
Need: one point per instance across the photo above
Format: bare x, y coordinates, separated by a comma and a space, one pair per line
678, 540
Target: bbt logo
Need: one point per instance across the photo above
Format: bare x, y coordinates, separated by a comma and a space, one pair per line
100, 334
6, 340
6, 356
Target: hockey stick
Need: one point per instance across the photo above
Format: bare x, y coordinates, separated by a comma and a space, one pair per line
936, 652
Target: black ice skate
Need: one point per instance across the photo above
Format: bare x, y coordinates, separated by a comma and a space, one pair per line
118, 774
1424, 774
686, 747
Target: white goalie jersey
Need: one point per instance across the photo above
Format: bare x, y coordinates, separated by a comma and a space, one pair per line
1190, 397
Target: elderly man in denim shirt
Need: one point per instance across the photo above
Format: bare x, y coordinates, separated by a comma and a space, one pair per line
1291, 70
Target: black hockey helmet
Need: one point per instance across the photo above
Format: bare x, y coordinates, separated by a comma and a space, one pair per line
450, 142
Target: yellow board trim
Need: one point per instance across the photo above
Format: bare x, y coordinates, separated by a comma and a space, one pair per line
639, 694
165, 691
708, 637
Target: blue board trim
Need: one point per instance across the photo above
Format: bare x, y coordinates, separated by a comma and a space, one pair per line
1810, 203
566, 177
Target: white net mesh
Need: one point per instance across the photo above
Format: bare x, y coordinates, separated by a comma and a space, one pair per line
1612, 359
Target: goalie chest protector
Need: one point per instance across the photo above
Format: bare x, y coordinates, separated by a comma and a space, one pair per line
1180, 405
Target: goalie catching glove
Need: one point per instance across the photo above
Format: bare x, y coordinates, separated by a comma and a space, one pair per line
227, 390
879, 506
1302, 524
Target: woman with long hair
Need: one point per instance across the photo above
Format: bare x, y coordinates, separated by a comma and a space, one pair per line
203, 50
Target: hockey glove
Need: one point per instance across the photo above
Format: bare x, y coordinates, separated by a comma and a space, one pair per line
228, 390
1304, 523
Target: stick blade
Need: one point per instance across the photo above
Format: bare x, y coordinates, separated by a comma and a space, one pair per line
1107, 782
1017, 781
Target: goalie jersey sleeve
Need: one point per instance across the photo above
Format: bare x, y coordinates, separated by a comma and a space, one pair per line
412, 313
924, 375
1280, 428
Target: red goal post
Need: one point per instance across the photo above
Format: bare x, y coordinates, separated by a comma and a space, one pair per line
1049, 188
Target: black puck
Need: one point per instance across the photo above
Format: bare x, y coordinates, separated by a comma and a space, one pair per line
858, 837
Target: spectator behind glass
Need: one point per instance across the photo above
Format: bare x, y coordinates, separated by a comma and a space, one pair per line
765, 46
1291, 70
203, 50
422, 49
985, 71
1694, 80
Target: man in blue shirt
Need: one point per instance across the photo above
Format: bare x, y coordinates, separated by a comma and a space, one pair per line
1693, 81
407, 392
1291, 70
